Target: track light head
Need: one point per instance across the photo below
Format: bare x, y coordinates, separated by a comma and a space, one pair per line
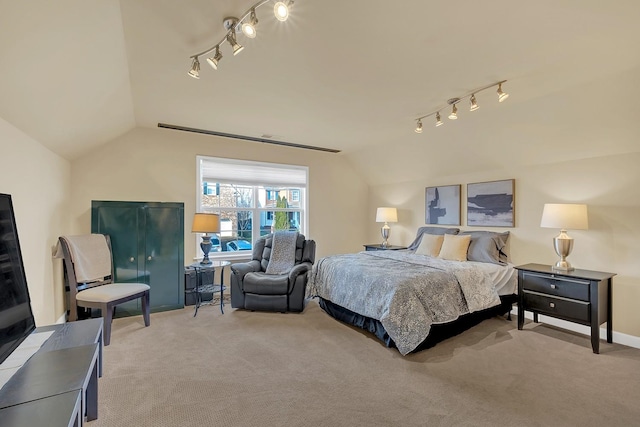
454, 113
501, 95
231, 38
419, 126
438, 121
213, 61
281, 10
195, 68
474, 104
249, 28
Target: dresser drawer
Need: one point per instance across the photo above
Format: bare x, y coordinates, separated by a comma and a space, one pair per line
576, 311
557, 286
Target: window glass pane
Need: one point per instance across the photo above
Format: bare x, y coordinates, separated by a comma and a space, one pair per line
227, 196
279, 197
235, 231
279, 220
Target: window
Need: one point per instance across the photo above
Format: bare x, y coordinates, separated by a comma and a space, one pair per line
252, 199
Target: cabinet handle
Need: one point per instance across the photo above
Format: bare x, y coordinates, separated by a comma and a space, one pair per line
552, 305
553, 286
132, 259
149, 258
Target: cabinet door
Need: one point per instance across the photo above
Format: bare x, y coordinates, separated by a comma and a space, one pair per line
163, 253
121, 222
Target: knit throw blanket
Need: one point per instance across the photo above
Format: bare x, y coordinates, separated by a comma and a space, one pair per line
283, 252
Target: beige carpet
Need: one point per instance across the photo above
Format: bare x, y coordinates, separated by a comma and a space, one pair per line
273, 369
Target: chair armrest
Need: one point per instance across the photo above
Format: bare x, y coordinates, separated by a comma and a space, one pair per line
297, 270
242, 268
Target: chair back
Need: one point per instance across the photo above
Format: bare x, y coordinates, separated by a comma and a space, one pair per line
305, 250
73, 256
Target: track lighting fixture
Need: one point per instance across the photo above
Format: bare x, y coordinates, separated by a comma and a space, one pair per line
195, 68
246, 25
473, 104
501, 95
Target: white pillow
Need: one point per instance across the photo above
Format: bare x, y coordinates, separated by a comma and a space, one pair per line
430, 245
454, 247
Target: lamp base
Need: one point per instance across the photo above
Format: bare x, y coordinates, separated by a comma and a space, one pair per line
563, 244
385, 231
562, 265
205, 245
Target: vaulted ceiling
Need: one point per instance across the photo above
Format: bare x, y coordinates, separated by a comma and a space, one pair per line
338, 74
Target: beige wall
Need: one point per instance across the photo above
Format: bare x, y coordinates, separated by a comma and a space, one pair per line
581, 145
160, 165
39, 183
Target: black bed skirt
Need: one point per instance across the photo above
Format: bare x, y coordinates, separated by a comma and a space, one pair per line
437, 333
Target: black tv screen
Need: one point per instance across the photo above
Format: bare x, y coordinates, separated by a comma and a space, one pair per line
16, 317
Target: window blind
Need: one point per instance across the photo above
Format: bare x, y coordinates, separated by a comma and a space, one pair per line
215, 169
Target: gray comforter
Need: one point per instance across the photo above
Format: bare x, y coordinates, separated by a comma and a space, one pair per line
407, 293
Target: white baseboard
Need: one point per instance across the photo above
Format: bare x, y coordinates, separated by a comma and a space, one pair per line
62, 319
618, 337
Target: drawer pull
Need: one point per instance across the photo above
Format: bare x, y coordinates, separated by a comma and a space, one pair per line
552, 305
553, 286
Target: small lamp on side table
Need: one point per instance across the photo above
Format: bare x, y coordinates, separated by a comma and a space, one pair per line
206, 223
386, 215
564, 216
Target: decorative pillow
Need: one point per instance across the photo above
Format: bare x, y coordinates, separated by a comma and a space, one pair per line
488, 246
431, 230
430, 245
454, 248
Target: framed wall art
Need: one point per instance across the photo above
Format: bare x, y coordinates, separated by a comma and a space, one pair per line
442, 205
491, 204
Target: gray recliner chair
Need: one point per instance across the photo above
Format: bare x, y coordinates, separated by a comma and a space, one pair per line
253, 289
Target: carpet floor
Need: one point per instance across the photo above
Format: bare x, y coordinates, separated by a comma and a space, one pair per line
246, 368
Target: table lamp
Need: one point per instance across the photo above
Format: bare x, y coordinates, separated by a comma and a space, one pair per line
206, 223
564, 216
386, 215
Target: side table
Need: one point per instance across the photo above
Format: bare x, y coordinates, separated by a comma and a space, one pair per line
199, 289
579, 296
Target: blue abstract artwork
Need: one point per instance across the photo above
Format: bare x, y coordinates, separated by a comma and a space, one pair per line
491, 203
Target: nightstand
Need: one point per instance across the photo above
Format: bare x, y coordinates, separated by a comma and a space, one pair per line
579, 296
379, 247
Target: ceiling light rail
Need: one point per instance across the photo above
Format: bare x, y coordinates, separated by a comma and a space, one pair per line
246, 25
473, 104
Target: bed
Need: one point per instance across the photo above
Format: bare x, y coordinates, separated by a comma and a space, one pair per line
445, 282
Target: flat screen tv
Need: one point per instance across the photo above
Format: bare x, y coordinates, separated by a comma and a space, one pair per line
16, 317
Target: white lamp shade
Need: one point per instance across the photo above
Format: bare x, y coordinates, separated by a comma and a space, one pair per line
206, 223
387, 215
565, 216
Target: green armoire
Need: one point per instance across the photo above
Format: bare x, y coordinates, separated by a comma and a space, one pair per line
147, 241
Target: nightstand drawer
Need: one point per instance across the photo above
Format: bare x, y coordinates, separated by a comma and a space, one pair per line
575, 311
557, 286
